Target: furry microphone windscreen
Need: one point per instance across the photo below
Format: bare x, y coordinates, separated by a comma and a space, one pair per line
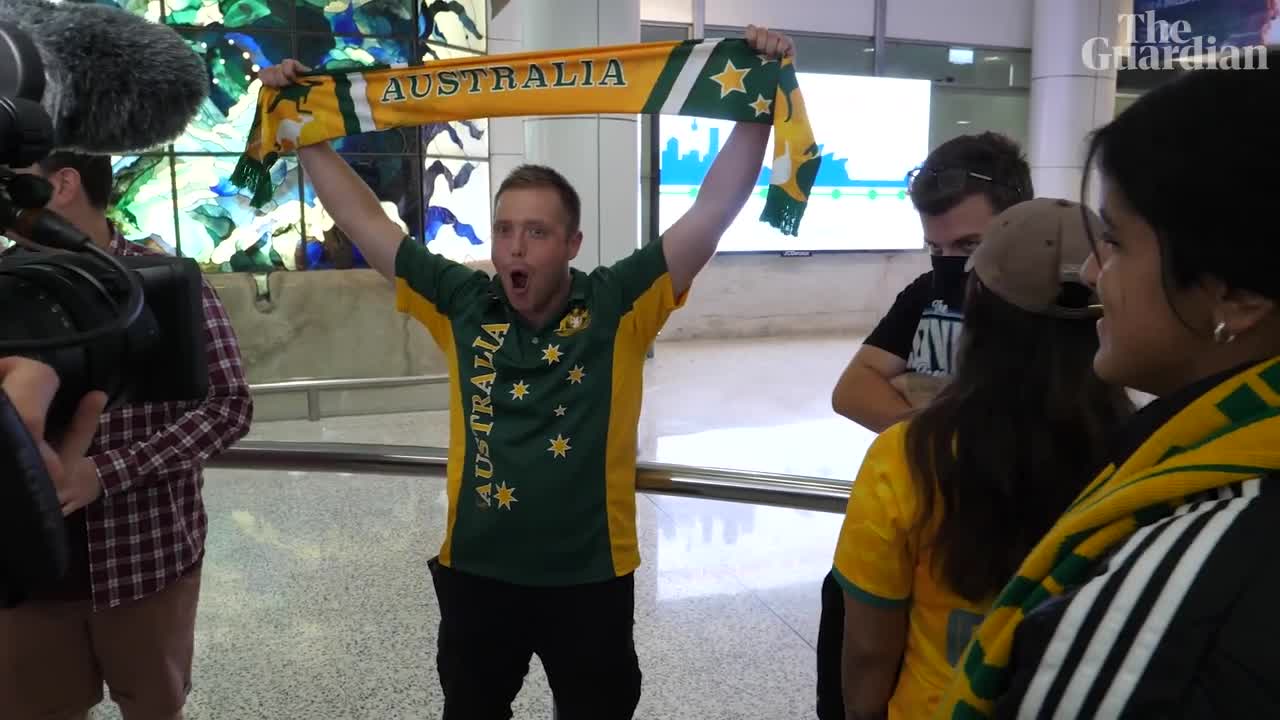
115, 82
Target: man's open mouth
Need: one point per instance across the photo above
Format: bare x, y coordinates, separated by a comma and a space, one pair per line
519, 279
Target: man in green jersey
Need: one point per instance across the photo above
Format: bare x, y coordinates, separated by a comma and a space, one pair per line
546, 367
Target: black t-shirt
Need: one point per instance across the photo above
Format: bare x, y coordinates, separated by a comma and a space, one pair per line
923, 326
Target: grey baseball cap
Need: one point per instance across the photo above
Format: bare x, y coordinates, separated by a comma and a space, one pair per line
1031, 252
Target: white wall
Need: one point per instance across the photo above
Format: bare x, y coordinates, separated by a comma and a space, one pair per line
833, 17
998, 23
506, 135
766, 295
667, 11
845, 17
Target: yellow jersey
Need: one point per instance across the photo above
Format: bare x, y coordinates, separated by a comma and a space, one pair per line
883, 558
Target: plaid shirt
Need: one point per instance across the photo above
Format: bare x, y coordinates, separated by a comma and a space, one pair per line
148, 528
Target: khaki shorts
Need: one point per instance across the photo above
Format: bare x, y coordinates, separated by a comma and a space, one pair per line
55, 657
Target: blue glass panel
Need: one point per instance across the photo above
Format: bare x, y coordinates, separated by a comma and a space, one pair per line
275, 14
333, 52
397, 141
233, 61
370, 17
394, 180
336, 52
221, 231
142, 200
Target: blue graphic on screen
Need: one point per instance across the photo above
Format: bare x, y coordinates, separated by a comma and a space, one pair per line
871, 133
1239, 23
690, 168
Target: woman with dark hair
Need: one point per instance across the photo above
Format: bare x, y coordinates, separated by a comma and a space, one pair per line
1154, 594
947, 503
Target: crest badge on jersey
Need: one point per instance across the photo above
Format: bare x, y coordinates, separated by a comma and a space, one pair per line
576, 321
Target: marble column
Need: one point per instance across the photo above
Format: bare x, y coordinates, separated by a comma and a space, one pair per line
599, 154
1069, 97
506, 134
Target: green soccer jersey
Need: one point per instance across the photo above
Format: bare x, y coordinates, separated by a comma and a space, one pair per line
542, 433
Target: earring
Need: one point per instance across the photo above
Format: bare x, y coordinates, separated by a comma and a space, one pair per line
1221, 335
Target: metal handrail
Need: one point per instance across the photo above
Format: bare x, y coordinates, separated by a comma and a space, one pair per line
755, 488
314, 386
303, 384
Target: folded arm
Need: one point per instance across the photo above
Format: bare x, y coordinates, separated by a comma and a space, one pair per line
865, 392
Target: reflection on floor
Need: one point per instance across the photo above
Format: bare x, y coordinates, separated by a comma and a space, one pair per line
316, 603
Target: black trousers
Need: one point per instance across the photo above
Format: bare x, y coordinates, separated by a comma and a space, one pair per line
583, 635
831, 651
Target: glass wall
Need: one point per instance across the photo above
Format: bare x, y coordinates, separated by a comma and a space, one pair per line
434, 180
974, 89
837, 54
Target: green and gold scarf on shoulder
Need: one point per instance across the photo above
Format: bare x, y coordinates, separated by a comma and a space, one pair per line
721, 79
1228, 435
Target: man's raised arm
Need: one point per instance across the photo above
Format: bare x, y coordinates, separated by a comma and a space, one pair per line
692, 240
343, 193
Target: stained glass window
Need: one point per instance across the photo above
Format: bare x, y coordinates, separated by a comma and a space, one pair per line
456, 219
357, 17
229, 13
432, 180
216, 225
233, 60
460, 23
395, 180
336, 52
142, 205
462, 139
437, 51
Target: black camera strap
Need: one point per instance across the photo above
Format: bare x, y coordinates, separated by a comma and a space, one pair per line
33, 540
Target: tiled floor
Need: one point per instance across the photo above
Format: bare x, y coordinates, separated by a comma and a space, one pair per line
316, 603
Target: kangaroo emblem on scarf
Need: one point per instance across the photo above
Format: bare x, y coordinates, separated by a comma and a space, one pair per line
721, 79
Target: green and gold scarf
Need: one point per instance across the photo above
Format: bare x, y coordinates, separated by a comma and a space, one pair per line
722, 79
1230, 434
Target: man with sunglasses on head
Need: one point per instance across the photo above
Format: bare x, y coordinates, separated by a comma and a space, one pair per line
964, 183
960, 187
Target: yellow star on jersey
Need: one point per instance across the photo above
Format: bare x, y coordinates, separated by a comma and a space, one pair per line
761, 106
560, 411
505, 496
551, 354
559, 446
576, 375
519, 390
730, 79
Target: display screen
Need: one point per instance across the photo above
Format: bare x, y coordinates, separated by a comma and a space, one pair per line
872, 131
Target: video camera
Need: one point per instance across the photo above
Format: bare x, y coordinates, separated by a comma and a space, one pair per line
131, 327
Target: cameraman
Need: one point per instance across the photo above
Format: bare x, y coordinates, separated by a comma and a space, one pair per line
125, 612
